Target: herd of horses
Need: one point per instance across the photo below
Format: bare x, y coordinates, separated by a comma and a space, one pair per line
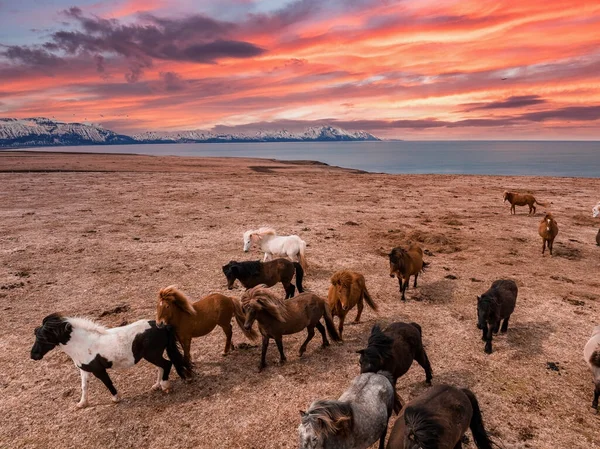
438, 418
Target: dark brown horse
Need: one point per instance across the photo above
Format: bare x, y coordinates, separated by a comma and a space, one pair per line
198, 319
522, 199
495, 305
548, 230
438, 419
405, 264
394, 350
347, 290
253, 273
277, 317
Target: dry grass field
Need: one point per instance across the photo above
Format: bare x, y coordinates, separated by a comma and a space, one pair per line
99, 235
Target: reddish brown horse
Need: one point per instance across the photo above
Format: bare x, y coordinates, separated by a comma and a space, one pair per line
277, 317
198, 319
548, 230
347, 290
521, 199
405, 264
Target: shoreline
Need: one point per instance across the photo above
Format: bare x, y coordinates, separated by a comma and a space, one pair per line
22, 167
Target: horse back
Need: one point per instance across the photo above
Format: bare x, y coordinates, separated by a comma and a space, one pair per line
211, 310
415, 254
505, 291
407, 343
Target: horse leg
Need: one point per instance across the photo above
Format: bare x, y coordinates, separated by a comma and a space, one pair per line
279, 342
341, 324
543, 246
164, 368
105, 378
488, 340
496, 326
311, 334
415, 284
84, 389
400, 280
596, 396
504, 325
185, 345
289, 290
550, 243
321, 329
360, 305
423, 360
228, 334
263, 355
404, 287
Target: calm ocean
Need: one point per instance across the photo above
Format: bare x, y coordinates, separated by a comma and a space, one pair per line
538, 158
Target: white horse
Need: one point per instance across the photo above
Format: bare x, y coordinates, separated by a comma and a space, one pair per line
596, 210
272, 244
591, 354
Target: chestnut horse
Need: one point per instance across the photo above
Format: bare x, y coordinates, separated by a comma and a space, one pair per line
520, 199
548, 229
347, 290
277, 317
405, 264
198, 319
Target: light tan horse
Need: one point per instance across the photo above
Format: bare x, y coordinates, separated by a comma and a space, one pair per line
405, 264
198, 319
548, 229
522, 199
347, 290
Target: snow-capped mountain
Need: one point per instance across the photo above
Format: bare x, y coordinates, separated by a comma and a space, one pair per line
39, 131
313, 134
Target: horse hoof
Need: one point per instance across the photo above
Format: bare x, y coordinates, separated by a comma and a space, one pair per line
488, 350
116, 399
156, 387
81, 404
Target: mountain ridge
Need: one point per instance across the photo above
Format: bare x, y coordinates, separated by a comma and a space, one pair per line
44, 132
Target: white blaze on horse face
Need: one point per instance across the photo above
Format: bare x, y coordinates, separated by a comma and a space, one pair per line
596, 210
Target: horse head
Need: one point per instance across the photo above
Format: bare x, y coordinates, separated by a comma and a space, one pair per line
231, 273
260, 299
378, 350
485, 310
342, 281
54, 330
322, 420
596, 211
396, 257
505, 196
170, 301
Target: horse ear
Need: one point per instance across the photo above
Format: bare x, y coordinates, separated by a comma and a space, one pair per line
68, 327
302, 413
478, 298
360, 351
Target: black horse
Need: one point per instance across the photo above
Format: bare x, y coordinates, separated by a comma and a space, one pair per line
495, 305
438, 419
394, 350
254, 273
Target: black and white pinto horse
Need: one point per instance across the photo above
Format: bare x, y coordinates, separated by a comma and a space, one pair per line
95, 348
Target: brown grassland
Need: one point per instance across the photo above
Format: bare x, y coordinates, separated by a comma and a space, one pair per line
99, 235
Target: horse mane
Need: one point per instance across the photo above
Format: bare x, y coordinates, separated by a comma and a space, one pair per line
331, 417
261, 299
249, 268
397, 255
423, 427
265, 231
177, 298
379, 345
343, 277
87, 324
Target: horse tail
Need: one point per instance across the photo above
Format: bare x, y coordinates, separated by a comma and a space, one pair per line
183, 366
240, 318
369, 300
482, 440
331, 330
299, 277
418, 328
540, 203
595, 358
301, 255
425, 266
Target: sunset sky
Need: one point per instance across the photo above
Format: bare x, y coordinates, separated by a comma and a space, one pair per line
410, 69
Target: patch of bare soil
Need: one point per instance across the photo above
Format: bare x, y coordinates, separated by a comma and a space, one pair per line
99, 235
